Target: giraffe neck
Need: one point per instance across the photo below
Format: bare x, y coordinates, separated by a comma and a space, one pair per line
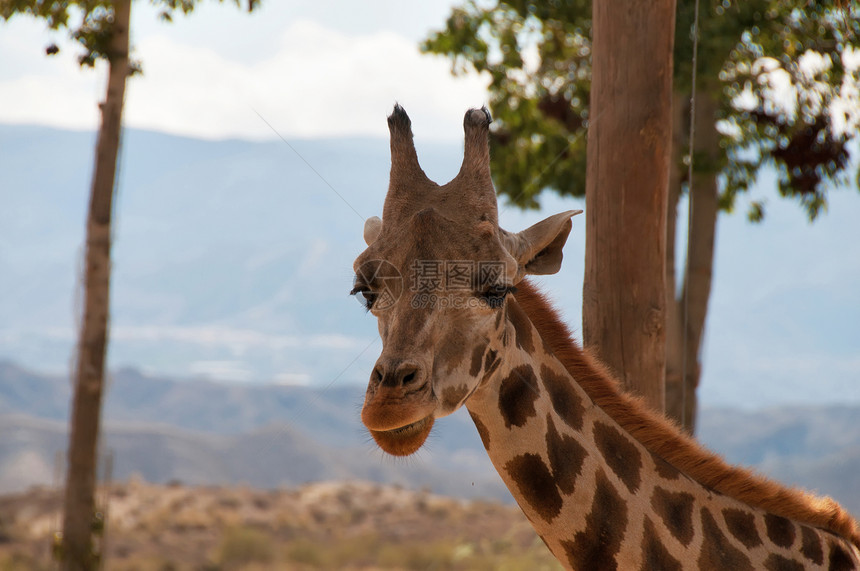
603, 494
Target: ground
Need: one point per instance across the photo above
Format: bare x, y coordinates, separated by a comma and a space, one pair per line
337, 525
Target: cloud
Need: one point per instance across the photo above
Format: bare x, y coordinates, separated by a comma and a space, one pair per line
213, 336
45, 90
221, 370
238, 339
292, 379
316, 82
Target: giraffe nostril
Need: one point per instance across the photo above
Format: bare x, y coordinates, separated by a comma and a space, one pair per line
397, 374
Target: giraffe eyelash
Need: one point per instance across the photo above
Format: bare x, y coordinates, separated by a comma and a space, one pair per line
368, 296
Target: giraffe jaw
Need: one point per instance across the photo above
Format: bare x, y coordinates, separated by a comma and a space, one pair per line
404, 440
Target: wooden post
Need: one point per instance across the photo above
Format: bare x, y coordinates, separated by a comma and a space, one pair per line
629, 149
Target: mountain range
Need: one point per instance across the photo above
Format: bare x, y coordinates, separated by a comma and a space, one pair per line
202, 432
205, 433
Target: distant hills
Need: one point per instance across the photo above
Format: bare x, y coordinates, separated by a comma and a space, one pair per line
203, 432
233, 260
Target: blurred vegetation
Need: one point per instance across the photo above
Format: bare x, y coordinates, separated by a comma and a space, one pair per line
369, 552
244, 549
538, 58
243, 546
344, 526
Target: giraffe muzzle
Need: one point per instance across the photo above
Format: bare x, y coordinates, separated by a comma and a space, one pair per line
405, 440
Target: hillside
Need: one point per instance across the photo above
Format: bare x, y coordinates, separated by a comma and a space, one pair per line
206, 433
278, 455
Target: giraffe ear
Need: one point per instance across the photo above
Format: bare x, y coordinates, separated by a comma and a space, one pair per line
372, 228
538, 249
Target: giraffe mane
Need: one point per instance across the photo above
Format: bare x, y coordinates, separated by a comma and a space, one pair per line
663, 437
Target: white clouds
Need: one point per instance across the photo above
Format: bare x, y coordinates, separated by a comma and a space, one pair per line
241, 372
237, 340
292, 379
321, 82
45, 90
222, 370
317, 82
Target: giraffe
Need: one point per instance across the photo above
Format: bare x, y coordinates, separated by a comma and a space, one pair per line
605, 482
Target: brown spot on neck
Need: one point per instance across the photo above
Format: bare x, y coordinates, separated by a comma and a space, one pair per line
655, 556
676, 511
811, 545
775, 562
840, 559
535, 484
664, 469
717, 551
566, 456
565, 400
522, 327
779, 529
517, 395
741, 524
596, 546
620, 454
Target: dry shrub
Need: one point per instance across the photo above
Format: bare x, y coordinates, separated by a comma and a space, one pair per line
242, 546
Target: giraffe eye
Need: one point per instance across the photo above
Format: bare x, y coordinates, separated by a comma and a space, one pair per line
494, 295
364, 295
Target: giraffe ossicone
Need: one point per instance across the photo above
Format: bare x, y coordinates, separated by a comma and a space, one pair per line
606, 483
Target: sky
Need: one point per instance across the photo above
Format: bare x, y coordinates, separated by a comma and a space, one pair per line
306, 69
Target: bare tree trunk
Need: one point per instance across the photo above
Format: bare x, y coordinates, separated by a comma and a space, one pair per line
79, 507
683, 366
674, 314
704, 202
629, 147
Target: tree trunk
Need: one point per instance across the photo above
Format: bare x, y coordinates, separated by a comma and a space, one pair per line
79, 507
629, 147
683, 365
675, 395
704, 202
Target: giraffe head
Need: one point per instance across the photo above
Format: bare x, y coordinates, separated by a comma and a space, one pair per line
436, 274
